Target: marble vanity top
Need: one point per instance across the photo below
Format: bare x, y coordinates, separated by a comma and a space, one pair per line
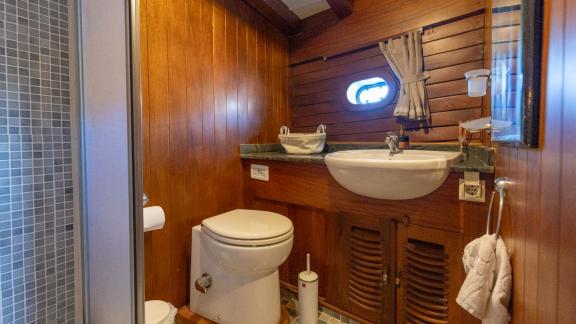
480, 158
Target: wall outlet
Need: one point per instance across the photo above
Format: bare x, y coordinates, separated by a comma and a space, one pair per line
259, 172
472, 190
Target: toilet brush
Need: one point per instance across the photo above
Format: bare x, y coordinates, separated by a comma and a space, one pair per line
308, 295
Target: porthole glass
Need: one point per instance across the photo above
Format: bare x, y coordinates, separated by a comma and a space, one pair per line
367, 91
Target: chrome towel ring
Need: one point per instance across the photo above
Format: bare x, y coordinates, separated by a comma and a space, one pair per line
500, 186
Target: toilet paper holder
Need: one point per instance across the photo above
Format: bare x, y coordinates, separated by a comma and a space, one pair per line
144, 199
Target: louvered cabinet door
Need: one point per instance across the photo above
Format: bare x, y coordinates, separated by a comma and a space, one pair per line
368, 266
429, 275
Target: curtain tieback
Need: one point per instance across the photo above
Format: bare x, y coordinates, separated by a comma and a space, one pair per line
414, 78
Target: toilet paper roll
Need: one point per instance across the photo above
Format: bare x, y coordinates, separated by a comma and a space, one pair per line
154, 218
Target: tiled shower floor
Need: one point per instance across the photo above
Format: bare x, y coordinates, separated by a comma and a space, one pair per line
325, 315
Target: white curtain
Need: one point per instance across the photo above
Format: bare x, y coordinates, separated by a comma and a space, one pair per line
404, 54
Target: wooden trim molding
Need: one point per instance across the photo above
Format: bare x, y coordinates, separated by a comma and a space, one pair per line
342, 8
277, 13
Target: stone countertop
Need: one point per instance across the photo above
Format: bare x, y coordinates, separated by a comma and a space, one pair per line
480, 158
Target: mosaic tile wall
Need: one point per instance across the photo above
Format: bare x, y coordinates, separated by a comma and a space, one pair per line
36, 207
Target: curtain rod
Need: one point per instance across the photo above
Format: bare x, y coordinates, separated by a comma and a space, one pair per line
375, 45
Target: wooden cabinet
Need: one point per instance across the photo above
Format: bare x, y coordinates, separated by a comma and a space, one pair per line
381, 261
367, 288
429, 275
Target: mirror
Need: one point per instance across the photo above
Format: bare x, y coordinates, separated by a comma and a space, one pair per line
516, 60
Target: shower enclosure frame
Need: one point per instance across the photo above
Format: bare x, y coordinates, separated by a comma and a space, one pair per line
111, 167
137, 157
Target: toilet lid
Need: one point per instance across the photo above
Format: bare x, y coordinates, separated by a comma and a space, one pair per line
244, 224
249, 243
156, 311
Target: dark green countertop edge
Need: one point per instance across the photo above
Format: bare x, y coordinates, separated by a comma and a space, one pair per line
480, 158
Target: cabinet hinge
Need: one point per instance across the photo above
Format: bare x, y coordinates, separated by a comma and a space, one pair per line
385, 276
397, 281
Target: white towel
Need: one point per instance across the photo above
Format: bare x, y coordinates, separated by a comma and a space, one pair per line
497, 311
485, 292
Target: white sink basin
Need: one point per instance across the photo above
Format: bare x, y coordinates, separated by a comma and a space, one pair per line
376, 174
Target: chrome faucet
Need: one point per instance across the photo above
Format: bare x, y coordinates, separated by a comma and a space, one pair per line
393, 143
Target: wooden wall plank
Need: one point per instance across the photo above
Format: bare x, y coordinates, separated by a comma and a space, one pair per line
342, 116
321, 64
205, 91
159, 159
464, 55
208, 114
232, 111
568, 205
458, 27
434, 134
194, 114
454, 72
550, 172
471, 38
446, 89
539, 227
179, 168
342, 70
321, 108
454, 102
219, 72
448, 118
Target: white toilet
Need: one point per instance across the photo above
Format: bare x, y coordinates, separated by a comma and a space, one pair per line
159, 312
234, 266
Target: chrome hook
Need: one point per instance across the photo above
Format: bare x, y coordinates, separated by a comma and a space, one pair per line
145, 199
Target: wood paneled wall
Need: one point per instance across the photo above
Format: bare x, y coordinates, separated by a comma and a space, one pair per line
372, 20
214, 75
450, 49
540, 225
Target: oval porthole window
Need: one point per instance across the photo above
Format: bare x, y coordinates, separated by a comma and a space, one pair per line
368, 91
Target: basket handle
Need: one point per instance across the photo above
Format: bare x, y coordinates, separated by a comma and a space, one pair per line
284, 130
321, 129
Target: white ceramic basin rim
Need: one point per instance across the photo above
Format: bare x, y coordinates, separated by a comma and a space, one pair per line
407, 160
377, 174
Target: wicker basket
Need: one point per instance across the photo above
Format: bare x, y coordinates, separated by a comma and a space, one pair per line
303, 143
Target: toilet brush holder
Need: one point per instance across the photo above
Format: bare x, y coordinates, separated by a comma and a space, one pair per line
308, 295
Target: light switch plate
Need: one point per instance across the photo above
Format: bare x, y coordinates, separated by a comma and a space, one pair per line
472, 191
259, 172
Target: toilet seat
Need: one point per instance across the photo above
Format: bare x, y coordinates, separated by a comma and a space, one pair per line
157, 312
248, 243
249, 228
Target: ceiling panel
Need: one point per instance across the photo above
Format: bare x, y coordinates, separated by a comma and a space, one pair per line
306, 8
